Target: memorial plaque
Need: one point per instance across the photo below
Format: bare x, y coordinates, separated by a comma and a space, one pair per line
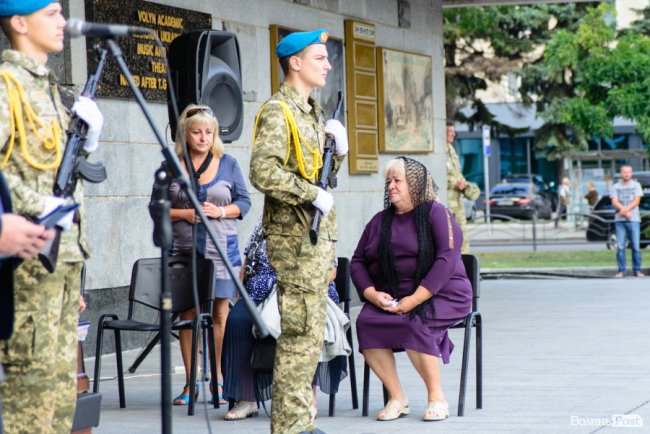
144, 58
361, 76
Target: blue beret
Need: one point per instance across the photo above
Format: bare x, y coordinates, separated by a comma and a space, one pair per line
294, 42
9, 8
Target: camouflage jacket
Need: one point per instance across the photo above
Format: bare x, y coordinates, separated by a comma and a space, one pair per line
288, 199
455, 174
29, 186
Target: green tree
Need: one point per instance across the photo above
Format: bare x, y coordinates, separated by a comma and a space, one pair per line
484, 44
585, 79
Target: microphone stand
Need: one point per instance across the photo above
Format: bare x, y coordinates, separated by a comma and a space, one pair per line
162, 235
174, 166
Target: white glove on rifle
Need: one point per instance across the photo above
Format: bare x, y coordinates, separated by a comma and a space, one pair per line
52, 202
324, 202
336, 129
88, 111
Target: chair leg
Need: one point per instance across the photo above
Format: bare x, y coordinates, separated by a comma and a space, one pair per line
366, 389
204, 351
192, 384
353, 373
99, 347
332, 404
214, 379
98, 356
464, 366
479, 361
120, 370
143, 355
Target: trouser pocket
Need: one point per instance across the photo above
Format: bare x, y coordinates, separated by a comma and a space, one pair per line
294, 311
23, 346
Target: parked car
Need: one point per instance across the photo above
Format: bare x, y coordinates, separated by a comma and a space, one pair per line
470, 209
522, 200
600, 223
547, 190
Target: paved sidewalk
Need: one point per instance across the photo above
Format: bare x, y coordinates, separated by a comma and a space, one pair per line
555, 352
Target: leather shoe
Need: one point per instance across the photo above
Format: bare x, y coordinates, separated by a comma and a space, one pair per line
314, 431
242, 410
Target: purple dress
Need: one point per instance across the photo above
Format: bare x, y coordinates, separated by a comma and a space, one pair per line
446, 279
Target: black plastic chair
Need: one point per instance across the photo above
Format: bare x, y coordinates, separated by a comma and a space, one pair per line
145, 291
472, 320
343, 286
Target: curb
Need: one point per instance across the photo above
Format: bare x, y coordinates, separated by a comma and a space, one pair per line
545, 241
546, 273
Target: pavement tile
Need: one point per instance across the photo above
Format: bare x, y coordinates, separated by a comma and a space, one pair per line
560, 356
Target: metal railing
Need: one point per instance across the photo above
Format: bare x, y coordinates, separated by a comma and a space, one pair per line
574, 226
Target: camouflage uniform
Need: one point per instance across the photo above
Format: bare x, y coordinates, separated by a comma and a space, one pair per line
302, 269
454, 195
40, 357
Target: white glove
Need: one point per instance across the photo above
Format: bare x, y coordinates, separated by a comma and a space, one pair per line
340, 134
324, 202
51, 202
88, 111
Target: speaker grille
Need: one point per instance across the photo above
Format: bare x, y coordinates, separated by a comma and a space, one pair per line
207, 70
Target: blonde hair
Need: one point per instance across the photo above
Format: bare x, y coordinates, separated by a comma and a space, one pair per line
396, 165
202, 116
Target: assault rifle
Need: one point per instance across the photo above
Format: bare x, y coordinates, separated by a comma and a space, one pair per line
74, 165
327, 176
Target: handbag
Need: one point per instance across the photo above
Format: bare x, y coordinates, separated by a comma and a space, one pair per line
270, 314
263, 355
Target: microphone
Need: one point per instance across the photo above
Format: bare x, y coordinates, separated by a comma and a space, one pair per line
75, 28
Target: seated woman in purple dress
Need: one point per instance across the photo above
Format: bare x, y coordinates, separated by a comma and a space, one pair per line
408, 269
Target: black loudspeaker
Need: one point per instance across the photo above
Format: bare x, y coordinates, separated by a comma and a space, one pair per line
205, 69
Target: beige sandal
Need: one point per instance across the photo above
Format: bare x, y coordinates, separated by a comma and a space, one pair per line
242, 410
393, 410
437, 410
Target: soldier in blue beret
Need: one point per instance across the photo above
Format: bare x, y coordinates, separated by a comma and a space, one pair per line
289, 139
9, 8
297, 41
39, 394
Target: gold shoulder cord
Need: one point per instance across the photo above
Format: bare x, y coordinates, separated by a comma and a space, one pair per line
293, 132
18, 102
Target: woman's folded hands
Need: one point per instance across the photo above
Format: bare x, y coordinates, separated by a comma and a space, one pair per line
387, 303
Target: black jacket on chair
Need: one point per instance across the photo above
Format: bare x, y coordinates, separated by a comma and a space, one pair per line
6, 274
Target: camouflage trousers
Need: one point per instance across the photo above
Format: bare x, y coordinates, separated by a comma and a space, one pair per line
302, 301
459, 214
40, 393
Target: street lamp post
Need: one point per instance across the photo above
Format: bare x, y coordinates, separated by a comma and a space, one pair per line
486, 174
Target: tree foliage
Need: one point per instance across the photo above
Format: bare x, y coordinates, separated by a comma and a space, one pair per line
586, 78
487, 43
